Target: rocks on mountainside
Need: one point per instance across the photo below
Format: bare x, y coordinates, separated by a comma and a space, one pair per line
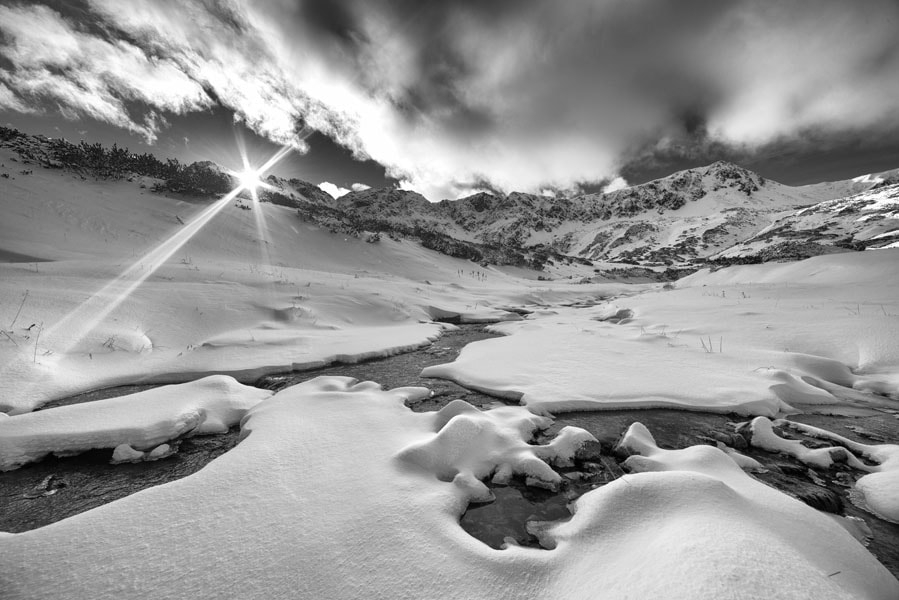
868, 220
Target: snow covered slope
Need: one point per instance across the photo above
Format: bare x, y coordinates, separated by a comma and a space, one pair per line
867, 220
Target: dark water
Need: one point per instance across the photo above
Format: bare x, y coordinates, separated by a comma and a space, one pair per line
113, 392
56, 488
403, 370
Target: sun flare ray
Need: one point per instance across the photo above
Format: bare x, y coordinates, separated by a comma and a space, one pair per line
94, 310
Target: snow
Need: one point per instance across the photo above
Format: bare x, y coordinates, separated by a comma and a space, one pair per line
144, 420
764, 437
880, 488
724, 527
338, 490
819, 335
867, 178
120, 293
471, 445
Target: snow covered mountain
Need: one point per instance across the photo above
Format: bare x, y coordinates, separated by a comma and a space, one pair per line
717, 214
679, 221
866, 220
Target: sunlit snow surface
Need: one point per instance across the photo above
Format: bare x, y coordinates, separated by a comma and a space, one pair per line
761, 340
134, 425
339, 491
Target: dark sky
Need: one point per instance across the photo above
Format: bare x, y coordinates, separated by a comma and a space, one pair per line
450, 96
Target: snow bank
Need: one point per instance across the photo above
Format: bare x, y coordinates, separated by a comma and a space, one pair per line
485, 315
819, 335
880, 488
136, 425
565, 363
334, 492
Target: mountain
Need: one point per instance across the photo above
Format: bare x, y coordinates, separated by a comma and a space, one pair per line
717, 214
868, 220
680, 221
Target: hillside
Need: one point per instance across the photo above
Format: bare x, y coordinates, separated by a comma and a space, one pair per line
868, 220
715, 214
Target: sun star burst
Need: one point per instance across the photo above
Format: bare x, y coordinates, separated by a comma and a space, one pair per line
250, 179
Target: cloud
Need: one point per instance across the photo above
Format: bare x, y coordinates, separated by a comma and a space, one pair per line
90, 76
9, 100
619, 183
360, 187
333, 190
456, 95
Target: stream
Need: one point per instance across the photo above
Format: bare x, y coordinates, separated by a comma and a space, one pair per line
56, 488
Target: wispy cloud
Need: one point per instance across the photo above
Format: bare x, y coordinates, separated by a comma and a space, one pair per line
456, 95
87, 75
11, 101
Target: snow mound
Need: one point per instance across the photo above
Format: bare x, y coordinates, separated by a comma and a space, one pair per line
470, 445
136, 425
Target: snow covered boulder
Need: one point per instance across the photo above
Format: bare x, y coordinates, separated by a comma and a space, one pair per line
472, 444
141, 421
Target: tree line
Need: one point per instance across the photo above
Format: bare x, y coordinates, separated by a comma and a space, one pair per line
199, 178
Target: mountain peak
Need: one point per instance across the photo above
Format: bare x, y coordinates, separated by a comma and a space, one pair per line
735, 176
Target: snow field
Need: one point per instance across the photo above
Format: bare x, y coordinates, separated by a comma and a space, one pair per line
746, 339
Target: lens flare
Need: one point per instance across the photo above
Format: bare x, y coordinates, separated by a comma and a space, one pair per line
78, 324
249, 179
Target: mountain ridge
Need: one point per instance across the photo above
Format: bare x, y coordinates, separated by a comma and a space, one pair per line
711, 215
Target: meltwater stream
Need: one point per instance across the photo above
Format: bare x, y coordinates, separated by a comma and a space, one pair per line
41, 493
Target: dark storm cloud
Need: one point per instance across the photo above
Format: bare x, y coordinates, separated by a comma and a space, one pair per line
331, 18
518, 94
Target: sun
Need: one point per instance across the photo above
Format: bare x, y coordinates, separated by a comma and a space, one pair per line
249, 179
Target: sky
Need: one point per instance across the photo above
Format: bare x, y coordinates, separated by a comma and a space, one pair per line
449, 97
